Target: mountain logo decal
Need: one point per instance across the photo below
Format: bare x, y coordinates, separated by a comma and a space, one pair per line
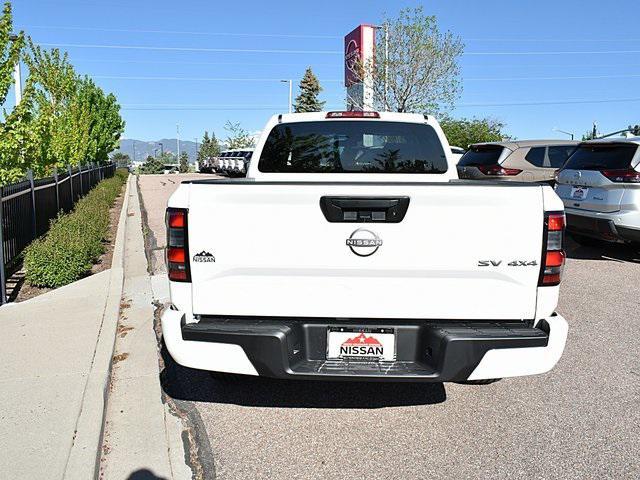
362, 346
204, 257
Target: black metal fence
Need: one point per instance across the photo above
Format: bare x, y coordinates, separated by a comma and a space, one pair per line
27, 207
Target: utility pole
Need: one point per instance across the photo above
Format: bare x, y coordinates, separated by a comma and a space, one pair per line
17, 77
178, 140
290, 94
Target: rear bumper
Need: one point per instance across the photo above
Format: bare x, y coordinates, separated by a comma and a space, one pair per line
605, 226
426, 350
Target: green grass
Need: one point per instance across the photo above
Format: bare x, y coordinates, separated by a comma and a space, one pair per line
75, 240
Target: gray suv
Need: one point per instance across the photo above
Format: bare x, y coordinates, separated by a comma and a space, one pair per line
600, 188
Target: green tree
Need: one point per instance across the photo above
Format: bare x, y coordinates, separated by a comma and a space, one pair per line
238, 137
307, 100
122, 160
417, 69
184, 162
152, 166
463, 132
17, 132
209, 148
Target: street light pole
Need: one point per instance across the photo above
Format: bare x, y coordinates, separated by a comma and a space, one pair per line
17, 76
290, 94
565, 132
178, 140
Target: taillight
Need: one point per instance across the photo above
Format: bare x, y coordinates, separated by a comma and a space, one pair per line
553, 256
624, 175
177, 255
497, 170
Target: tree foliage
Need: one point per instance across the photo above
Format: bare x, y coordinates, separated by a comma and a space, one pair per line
417, 69
307, 100
183, 166
63, 118
238, 137
152, 166
122, 160
209, 148
463, 132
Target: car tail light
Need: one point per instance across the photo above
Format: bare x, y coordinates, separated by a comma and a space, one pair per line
625, 175
497, 170
177, 255
353, 114
553, 255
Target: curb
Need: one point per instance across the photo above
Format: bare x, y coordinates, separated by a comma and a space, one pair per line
84, 458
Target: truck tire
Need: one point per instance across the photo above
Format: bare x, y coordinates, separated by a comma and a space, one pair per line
225, 378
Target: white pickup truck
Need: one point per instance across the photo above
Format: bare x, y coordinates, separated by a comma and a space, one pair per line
352, 252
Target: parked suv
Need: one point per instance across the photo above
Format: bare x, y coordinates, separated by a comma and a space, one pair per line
520, 161
600, 188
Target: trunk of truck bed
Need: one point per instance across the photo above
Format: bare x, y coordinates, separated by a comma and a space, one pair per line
277, 254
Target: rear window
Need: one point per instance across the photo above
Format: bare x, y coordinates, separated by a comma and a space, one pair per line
604, 156
345, 146
559, 154
481, 155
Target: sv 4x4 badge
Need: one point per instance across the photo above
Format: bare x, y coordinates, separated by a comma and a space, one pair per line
513, 263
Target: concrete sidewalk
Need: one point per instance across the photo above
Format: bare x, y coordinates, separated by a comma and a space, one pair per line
55, 363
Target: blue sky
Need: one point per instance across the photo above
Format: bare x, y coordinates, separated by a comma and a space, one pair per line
517, 53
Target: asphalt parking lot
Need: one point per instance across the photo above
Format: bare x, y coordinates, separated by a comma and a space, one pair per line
579, 421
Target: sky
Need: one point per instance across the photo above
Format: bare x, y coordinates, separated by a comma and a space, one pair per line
536, 66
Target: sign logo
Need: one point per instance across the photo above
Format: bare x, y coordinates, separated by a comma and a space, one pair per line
362, 345
204, 257
363, 242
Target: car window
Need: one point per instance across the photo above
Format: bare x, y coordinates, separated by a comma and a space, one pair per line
535, 156
479, 155
558, 155
344, 146
602, 156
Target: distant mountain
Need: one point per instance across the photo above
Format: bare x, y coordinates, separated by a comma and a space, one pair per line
144, 148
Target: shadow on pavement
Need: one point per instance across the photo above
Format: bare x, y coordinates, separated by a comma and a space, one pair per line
612, 252
144, 474
182, 383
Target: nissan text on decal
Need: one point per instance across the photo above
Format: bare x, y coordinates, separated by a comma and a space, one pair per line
352, 252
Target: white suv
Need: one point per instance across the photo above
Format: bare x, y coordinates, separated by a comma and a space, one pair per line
600, 188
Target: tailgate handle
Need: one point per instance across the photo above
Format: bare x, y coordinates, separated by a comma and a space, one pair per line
364, 209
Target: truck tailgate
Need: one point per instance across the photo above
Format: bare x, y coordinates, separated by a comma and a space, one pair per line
277, 255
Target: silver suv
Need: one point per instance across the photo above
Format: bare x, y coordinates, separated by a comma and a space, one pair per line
600, 188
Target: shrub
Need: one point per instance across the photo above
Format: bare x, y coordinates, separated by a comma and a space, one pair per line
74, 240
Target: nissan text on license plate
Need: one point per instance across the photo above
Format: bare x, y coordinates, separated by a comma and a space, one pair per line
579, 193
361, 343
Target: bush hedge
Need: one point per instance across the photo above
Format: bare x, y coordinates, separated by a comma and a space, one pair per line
74, 240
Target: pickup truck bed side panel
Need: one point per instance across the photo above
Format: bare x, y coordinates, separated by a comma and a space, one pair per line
277, 255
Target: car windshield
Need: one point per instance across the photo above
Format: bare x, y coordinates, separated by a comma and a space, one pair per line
346, 146
481, 155
602, 156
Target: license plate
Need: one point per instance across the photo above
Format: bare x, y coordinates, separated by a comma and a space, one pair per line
579, 193
361, 343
